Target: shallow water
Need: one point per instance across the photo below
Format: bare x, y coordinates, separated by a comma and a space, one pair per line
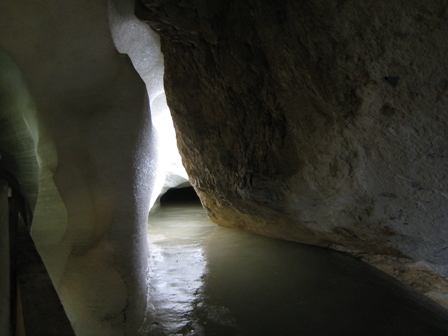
209, 280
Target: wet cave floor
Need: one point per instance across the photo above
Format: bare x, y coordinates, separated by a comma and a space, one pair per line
209, 280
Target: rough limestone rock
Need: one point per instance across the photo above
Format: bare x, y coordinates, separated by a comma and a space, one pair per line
323, 122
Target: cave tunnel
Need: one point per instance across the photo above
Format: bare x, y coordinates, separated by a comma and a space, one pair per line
185, 195
321, 123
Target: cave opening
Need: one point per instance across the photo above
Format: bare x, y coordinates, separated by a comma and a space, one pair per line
184, 195
90, 218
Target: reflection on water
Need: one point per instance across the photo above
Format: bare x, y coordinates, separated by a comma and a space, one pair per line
177, 237
208, 280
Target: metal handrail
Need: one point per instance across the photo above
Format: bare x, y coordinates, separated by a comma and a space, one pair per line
23, 250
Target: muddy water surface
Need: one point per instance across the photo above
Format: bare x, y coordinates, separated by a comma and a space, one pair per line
208, 280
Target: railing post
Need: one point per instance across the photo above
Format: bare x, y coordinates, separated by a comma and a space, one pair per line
13, 215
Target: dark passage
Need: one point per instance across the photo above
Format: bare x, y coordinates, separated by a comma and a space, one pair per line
185, 195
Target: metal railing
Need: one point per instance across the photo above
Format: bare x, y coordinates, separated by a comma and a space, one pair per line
41, 311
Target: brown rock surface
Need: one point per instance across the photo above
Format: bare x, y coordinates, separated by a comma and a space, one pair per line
323, 122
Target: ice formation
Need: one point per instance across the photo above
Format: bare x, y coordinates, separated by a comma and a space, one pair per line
136, 39
91, 161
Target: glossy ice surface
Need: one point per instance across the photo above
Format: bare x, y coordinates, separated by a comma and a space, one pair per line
209, 280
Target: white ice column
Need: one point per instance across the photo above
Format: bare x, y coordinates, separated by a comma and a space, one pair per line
92, 134
136, 39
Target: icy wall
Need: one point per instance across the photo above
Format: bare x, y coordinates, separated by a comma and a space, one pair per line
87, 162
136, 39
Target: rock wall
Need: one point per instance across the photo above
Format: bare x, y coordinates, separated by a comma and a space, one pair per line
323, 122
